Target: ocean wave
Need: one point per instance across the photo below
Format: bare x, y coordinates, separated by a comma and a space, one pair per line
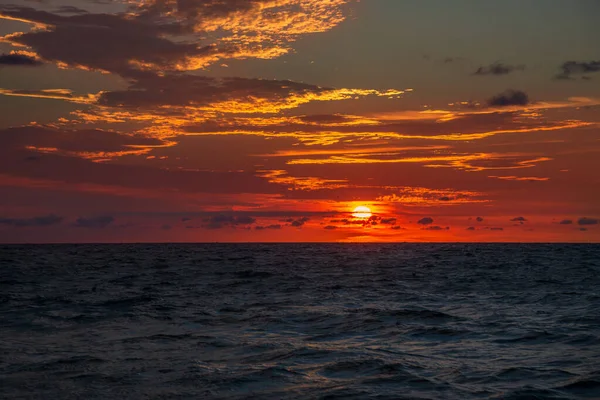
308, 321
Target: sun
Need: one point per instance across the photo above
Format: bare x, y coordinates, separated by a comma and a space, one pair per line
362, 212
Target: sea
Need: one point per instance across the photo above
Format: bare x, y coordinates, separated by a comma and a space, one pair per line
300, 321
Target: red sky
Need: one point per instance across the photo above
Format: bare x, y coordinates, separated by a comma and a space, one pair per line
164, 120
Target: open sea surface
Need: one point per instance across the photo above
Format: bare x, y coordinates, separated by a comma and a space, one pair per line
300, 321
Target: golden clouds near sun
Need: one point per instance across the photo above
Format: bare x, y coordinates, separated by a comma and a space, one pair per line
362, 212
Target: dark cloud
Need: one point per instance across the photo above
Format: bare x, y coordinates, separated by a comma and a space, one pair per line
437, 228
570, 68
330, 227
498, 69
566, 222
509, 98
220, 221
244, 220
583, 229
170, 35
70, 10
166, 227
16, 59
94, 222
471, 228
45, 220
286, 216
154, 42
479, 219
89, 36
388, 221
274, 227
587, 221
496, 229
446, 198
299, 222
153, 92
425, 221
73, 142
519, 219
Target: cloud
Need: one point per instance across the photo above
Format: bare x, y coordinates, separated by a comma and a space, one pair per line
425, 221
566, 222
70, 10
509, 98
93, 144
273, 227
301, 183
496, 229
18, 59
498, 69
299, 222
388, 221
161, 35
479, 219
220, 221
55, 94
471, 228
94, 222
134, 43
420, 196
520, 178
462, 161
166, 227
187, 97
449, 126
330, 227
46, 220
570, 68
587, 221
325, 118
437, 228
519, 219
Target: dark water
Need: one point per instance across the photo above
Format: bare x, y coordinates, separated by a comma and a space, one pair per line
300, 321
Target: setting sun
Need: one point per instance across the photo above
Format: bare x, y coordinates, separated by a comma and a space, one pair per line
362, 212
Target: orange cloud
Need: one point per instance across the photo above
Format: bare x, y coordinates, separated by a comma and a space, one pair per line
520, 178
420, 196
56, 94
301, 183
467, 161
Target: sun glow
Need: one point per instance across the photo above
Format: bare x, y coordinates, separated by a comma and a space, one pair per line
362, 212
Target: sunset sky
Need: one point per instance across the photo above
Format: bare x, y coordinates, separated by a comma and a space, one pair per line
272, 120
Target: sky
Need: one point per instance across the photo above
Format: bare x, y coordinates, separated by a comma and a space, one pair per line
273, 120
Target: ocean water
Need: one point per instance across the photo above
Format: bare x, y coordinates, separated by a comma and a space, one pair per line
300, 321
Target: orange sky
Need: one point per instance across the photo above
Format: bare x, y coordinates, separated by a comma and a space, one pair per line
160, 121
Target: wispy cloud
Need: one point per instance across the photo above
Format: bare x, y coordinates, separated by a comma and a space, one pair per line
45, 220
569, 69
498, 68
19, 59
509, 98
98, 222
